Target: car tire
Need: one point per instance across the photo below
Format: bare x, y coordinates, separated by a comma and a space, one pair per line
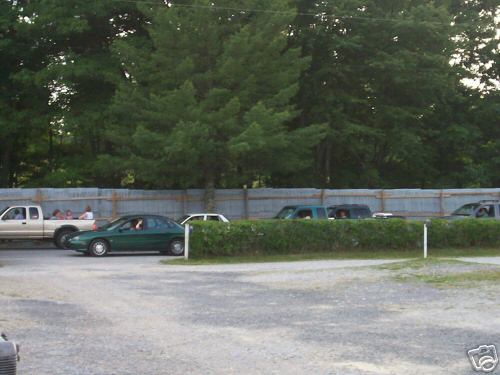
98, 248
176, 247
61, 236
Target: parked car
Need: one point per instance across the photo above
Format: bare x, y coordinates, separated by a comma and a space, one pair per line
28, 223
131, 233
302, 212
203, 217
9, 356
485, 209
349, 211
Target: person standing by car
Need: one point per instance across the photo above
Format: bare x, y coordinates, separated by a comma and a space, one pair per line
87, 215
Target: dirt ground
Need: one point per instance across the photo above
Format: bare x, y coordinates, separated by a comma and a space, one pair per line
129, 314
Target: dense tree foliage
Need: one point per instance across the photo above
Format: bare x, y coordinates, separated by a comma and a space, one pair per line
344, 93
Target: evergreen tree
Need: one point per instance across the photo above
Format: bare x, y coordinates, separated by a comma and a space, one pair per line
208, 98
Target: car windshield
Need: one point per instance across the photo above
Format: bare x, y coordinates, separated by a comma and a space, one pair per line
114, 224
466, 209
5, 209
182, 218
285, 213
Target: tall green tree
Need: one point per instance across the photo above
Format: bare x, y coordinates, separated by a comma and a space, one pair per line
80, 73
208, 98
24, 109
379, 72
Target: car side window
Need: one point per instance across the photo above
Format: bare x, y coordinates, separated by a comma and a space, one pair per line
359, 213
304, 214
157, 223
133, 224
213, 218
34, 213
198, 217
16, 213
486, 211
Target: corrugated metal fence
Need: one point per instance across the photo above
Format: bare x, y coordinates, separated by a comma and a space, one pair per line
242, 203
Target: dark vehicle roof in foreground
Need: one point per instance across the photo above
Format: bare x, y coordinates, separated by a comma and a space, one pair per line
347, 205
303, 206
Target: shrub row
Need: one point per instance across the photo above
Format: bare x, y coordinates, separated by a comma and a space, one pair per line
272, 237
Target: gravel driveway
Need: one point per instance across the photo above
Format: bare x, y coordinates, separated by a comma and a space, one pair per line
128, 314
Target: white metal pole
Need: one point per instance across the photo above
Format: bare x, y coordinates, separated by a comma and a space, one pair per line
186, 241
425, 240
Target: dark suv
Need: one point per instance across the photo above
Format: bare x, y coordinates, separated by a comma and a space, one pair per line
349, 211
302, 212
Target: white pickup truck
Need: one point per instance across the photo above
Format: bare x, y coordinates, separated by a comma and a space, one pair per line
28, 223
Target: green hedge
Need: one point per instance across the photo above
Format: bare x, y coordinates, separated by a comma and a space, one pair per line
272, 237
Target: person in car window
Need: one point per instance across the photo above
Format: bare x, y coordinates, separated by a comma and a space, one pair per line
341, 214
483, 213
139, 225
18, 215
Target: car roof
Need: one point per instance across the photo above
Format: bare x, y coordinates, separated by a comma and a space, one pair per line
203, 213
348, 205
298, 206
129, 216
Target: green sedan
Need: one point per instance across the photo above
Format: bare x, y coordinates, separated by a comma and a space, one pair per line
131, 233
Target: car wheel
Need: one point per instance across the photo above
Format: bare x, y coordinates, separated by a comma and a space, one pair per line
98, 248
176, 247
61, 237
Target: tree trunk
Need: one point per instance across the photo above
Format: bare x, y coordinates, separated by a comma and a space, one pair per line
5, 163
328, 156
209, 196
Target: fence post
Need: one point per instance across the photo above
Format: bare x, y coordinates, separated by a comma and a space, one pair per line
425, 240
184, 201
186, 241
441, 205
322, 197
245, 202
114, 202
38, 197
382, 200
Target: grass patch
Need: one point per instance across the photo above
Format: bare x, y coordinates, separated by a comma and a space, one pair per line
468, 252
443, 273
292, 257
418, 262
461, 278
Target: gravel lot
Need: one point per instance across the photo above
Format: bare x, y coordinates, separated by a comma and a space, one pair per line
128, 314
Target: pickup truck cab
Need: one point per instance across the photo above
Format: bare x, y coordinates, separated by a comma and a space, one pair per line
28, 223
302, 212
486, 209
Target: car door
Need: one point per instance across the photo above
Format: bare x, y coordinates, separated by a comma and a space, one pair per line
13, 223
34, 223
159, 233
128, 237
